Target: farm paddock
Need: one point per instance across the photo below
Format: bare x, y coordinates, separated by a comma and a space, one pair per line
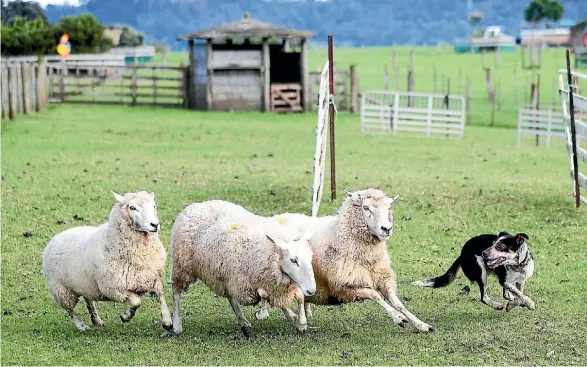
58, 168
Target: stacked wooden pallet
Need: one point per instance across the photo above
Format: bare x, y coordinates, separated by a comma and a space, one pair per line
286, 97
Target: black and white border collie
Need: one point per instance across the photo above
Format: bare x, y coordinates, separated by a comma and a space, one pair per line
505, 255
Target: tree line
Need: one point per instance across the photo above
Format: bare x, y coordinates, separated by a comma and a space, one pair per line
26, 30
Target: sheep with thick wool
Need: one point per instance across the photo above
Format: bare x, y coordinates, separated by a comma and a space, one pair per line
351, 261
118, 261
223, 245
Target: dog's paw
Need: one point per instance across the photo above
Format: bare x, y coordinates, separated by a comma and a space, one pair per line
531, 306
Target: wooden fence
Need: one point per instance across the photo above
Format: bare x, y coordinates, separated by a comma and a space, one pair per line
130, 85
341, 89
545, 121
23, 88
580, 117
386, 112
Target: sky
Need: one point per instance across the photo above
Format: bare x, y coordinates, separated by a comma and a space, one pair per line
55, 2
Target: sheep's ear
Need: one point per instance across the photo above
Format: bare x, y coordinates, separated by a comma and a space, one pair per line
394, 199
279, 244
118, 197
152, 194
348, 193
306, 236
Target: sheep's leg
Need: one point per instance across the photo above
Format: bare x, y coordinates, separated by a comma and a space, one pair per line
177, 327
390, 294
165, 316
308, 309
244, 324
91, 306
135, 303
301, 322
79, 324
289, 315
263, 312
67, 300
368, 293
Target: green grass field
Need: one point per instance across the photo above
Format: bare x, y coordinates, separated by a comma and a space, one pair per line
514, 82
61, 165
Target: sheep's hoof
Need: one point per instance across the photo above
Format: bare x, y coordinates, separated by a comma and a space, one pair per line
261, 315
167, 334
97, 322
425, 328
125, 316
302, 327
83, 327
247, 330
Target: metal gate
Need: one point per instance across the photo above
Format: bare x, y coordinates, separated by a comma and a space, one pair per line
423, 114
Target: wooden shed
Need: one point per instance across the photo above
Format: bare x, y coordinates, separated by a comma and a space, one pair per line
248, 65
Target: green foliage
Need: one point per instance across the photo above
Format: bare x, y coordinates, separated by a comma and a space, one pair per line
388, 21
130, 37
475, 18
20, 9
86, 34
27, 37
35, 37
539, 10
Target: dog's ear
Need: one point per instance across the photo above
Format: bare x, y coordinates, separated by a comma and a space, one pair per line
501, 234
523, 255
520, 238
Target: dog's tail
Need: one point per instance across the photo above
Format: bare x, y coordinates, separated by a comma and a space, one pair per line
443, 280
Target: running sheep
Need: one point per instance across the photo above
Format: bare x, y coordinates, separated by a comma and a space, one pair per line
223, 245
118, 261
351, 261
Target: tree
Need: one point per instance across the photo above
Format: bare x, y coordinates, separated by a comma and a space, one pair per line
130, 37
86, 34
27, 37
20, 9
475, 17
539, 10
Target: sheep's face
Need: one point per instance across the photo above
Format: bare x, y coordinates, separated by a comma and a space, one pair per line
296, 262
141, 210
377, 213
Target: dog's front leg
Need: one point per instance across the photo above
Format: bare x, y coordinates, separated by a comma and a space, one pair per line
521, 298
515, 301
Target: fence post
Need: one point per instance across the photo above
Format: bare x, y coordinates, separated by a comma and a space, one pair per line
26, 88
62, 81
518, 140
354, 89
133, 87
429, 117
549, 127
12, 91
469, 96
41, 82
411, 77
395, 113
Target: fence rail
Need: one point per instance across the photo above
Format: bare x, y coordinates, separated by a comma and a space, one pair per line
131, 84
389, 112
580, 115
23, 88
545, 121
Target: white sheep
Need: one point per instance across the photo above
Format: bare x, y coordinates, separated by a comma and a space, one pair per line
223, 245
351, 261
118, 261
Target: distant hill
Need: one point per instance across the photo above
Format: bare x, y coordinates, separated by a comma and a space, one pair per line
352, 22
